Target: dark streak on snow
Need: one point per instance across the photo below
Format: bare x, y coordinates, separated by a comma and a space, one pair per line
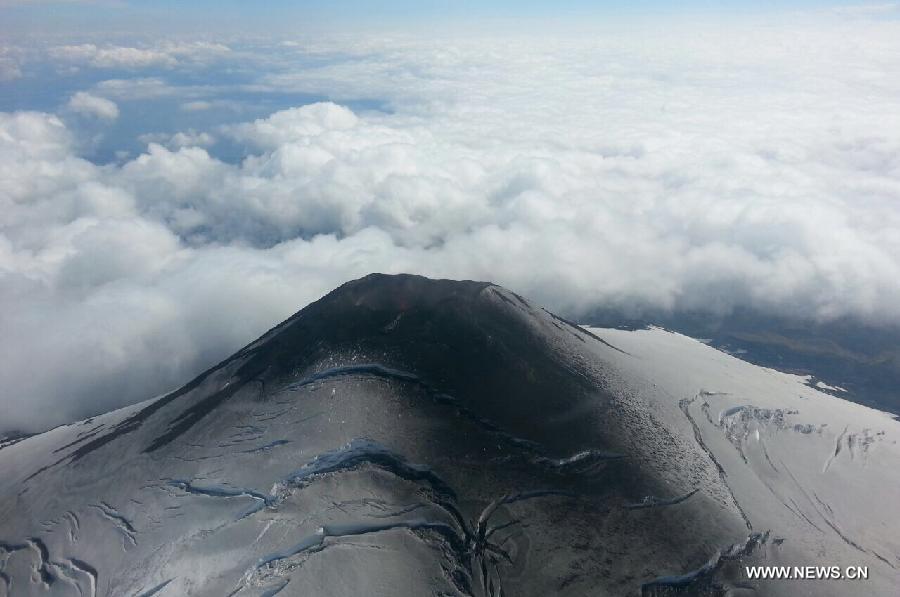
121, 523
221, 491
655, 502
685, 405
695, 581
189, 417
274, 590
43, 554
82, 437
371, 369
267, 447
86, 569
156, 589
469, 543
361, 452
584, 331
316, 542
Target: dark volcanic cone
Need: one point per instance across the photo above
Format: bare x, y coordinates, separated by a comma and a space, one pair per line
400, 436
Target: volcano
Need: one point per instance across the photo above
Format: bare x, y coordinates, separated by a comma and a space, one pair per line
407, 436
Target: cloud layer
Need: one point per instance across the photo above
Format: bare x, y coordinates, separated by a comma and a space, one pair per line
128, 57
738, 168
91, 105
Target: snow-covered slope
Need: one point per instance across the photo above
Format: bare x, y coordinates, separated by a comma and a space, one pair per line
818, 473
405, 436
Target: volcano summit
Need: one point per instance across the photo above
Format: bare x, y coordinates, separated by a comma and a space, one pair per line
407, 436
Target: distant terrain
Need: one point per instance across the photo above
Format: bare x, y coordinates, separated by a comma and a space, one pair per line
856, 361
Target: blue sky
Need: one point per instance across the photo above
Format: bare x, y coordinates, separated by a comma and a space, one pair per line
284, 15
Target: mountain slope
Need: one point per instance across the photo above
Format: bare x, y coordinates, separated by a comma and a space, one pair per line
405, 436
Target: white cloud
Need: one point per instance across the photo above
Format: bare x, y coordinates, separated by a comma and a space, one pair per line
195, 50
196, 106
709, 171
190, 138
301, 123
9, 64
91, 105
112, 56
165, 54
867, 10
9, 70
145, 88
210, 104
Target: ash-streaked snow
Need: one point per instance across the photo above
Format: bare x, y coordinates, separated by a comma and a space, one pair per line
405, 436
